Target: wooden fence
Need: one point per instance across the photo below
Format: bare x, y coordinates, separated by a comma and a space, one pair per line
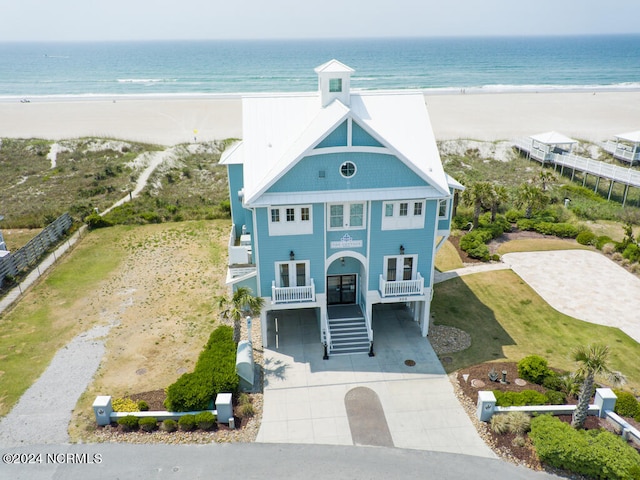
26, 257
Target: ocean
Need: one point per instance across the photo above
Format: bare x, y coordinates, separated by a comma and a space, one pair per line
216, 67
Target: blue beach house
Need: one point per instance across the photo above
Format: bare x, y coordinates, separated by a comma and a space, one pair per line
339, 202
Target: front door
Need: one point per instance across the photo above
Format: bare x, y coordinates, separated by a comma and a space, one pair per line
341, 289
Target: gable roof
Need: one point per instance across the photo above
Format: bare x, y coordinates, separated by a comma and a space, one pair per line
553, 138
333, 66
279, 130
633, 137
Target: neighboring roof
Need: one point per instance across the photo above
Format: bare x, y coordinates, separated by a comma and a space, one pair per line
633, 137
552, 138
453, 183
280, 130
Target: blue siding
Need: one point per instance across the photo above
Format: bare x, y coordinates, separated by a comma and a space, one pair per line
361, 138
276, 249
336, 235
337, 138
304, 176
388, 242
239, 215
249, 283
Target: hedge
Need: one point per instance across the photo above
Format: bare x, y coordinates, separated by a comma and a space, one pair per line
214, 372
593, 453
518, 399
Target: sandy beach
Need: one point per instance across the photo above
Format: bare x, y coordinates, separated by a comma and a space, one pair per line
172, 120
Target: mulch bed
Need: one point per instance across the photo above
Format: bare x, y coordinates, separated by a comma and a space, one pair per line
524, 455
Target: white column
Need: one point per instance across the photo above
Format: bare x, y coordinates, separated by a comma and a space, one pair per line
426, 313
263, 326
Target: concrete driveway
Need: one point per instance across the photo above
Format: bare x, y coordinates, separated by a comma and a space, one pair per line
304, 395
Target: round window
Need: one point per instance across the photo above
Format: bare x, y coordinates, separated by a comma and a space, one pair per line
348, 169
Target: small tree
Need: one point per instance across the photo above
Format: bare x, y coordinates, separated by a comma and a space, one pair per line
531, 198
241, 304
593, 361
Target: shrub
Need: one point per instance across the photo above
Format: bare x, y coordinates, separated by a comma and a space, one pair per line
626, 404
533, 368
526, 224
519, 422
246, 410
94, 221
602, 241
148, 424
593, 453
555, 398
586, 237
169, 425
632, 252
187, 422
525, 397
205, 420
500, 423
513, 216
552, 381
244, 398
214, 372
124, 405
128, 423
143, 406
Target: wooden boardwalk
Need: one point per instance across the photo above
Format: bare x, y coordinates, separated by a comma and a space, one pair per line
615, 174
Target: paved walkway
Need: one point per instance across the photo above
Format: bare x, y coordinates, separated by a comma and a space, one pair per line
304, 395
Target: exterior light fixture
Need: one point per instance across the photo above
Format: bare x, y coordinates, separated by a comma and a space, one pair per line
292, 256
401, 250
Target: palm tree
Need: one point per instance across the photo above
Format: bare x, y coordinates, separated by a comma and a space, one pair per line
593, 361
530, 197
242, 303
479, 195
545, 177
499, 195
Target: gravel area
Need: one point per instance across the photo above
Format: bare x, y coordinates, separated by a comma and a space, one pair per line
43, 412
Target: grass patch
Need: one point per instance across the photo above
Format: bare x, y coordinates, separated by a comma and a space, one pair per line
51, 314
507, 320
539, 245
448, 258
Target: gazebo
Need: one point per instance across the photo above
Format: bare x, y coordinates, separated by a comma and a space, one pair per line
626, 147
545, 145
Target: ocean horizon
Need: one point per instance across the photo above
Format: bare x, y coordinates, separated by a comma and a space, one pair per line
233, 67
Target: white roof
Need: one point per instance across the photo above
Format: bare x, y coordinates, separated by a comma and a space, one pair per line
279, 130
334, 66
633, 137
552, 138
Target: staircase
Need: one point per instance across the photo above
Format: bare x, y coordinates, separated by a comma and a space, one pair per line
348, 334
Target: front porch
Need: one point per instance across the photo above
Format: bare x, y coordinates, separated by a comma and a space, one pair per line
401, 288
284, 295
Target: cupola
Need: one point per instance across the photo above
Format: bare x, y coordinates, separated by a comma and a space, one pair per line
334, 82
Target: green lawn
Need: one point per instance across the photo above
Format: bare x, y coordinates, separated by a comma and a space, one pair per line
33, 331
540, 245
507, 320
448, 258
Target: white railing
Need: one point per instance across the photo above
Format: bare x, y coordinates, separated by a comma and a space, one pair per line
293, 294
401, 288
326, 331
601, 169
620, 152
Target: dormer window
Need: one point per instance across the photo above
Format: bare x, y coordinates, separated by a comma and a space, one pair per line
335, 85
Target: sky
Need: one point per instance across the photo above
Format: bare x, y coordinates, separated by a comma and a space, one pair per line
107, 20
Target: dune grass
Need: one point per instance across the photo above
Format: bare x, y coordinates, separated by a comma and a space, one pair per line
507, 320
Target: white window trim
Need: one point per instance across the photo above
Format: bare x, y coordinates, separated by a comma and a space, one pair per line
292, 272
346, 216
410, 221
446, 210
295, 227
400, 266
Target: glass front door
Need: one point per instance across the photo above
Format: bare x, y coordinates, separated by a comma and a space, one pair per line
341, 289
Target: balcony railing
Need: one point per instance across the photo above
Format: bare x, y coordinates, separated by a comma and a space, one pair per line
401, 288
293, 294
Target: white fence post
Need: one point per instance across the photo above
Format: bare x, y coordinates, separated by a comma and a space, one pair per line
486, 405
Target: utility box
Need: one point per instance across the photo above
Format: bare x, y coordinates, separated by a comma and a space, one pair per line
605, 400
244, 365
224, 407
102, 409
486, 405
